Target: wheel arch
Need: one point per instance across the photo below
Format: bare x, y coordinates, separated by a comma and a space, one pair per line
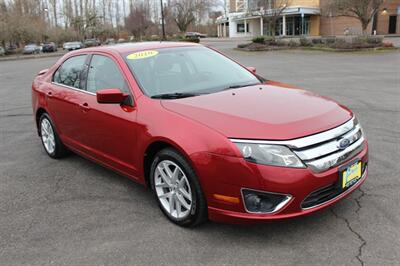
152, 149
39, 112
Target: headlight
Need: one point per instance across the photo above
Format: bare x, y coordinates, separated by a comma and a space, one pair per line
275, 155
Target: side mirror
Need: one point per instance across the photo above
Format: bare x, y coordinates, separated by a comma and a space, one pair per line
110, 96
252, 69
42, 72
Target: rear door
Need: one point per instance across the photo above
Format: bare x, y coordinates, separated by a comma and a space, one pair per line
65, 98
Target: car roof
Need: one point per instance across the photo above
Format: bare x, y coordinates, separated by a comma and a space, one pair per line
140, 46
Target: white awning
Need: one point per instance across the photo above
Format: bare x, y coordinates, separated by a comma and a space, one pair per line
288, 11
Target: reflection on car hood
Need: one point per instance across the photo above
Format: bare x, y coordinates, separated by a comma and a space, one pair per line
262, 112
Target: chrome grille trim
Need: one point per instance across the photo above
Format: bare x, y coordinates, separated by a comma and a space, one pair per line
321, 151
329, 147
335, 159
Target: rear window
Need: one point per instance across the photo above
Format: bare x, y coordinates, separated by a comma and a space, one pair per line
70, 72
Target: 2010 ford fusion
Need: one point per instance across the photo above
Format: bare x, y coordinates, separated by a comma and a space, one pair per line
211, 138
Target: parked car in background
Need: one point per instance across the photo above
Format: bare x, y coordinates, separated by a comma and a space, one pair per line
49, 47
70, 46
110, 41
31, 49
11, 49
121, 40
91, 42
2, 51
195, 34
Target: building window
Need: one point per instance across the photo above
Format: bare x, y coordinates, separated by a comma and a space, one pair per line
295, 26
241, 29
268, 27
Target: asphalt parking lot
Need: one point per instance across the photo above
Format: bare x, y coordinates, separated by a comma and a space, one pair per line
73, 211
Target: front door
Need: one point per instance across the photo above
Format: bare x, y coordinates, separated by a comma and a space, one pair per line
110, 129
392, 24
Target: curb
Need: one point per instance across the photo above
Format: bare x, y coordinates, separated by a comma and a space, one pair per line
378, 49
23, 57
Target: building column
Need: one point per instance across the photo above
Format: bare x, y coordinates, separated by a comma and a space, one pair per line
262, 25
245, 27
224, 30
219, 30
232, 28
283, 25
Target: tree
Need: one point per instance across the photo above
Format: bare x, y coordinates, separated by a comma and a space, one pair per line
271, 11
138, 20
54, 6
363, 10
185, 12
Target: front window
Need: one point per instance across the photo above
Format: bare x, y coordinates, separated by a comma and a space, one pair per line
195, 70
104, 74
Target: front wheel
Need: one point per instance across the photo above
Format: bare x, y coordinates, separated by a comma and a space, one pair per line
177, 189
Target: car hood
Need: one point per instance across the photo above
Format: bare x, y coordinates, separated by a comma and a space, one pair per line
262, 112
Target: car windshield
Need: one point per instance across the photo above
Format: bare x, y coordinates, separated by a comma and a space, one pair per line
186, 72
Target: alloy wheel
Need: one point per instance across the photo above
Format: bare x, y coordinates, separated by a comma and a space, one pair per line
173, 189
48, 138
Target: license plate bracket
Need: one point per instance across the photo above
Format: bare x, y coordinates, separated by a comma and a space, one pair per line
350, 174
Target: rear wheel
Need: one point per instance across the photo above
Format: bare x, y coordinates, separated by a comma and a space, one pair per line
50, 139
177, 189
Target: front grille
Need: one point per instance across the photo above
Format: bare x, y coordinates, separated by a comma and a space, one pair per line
323, 151
326, 194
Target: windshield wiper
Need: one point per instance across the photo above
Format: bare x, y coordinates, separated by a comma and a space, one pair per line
240, 86
175, 95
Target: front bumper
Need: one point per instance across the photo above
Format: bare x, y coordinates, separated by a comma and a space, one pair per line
224, 175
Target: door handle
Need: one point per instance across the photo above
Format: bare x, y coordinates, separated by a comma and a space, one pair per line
84, 107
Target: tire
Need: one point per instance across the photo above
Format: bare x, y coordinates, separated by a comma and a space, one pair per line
189, 207
50, 139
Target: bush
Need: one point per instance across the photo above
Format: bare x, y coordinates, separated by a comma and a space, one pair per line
368, 42
195, 40
281, 43
316, 41
328, 40
376, 40
259, 39
270, 41
293, 43
243, 45
305, 42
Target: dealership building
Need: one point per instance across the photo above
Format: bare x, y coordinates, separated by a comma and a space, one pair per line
249, 18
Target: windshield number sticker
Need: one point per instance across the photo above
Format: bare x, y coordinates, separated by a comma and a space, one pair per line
142, 55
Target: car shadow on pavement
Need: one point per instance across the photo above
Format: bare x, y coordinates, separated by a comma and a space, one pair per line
129, 191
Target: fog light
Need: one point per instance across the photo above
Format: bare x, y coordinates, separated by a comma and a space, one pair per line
264, 202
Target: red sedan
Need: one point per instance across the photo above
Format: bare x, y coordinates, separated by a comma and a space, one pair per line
211, 138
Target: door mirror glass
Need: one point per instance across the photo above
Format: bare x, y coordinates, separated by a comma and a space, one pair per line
115, 96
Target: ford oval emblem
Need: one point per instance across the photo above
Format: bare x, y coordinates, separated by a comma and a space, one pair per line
343, 144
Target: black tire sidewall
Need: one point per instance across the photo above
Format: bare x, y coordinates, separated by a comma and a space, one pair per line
196, 215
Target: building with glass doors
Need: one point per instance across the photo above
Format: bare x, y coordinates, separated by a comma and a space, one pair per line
249, 18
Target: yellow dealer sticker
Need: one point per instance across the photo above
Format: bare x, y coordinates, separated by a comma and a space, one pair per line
142, 54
